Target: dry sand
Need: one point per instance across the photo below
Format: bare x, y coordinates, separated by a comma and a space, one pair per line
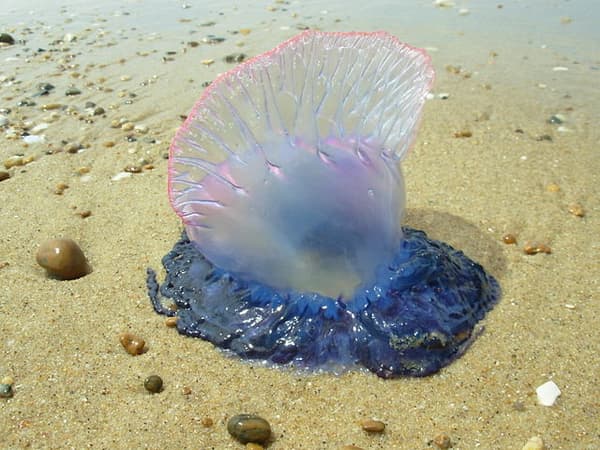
74, 385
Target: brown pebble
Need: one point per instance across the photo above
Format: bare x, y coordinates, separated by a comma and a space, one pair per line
84, 214
351, 447
509, 238
186, 390
4, 175
171, 322
83, 170
133, 344
13, 161
63, 259
372, 426
72, 147
207, 422
249, 428
60, 188
132, 169
442, 441
577, 210
51, 106
108, 144
463, 134
533, 248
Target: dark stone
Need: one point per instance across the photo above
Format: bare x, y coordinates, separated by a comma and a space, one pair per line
6, 38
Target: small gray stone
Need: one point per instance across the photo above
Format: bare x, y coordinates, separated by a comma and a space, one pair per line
6, 390
212, 39
73, 91
235, 58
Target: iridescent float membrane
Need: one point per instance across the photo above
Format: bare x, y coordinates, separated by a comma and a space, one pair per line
286, 175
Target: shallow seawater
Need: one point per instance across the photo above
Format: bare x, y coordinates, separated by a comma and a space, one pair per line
509, 148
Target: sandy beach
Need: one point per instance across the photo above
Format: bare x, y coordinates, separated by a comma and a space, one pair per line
87, 160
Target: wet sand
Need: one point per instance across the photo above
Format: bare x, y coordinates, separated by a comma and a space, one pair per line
75, 386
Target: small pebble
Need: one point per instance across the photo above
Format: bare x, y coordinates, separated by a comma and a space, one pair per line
3, 121
576, 209
72, 147
84, 214
60, 188
171, 322
212, 39
547, 393
62, 259
235, 58
6, 390
141, 129
127, 126
13, 161
509, 238
556, 119
534, 443
132, 344
186, 390
7, 39
207, 62
372, 426
249, 428
442, 441
132, 169
73, 91
4, 175
153, 384
350, 447
533, 248
463, 134
7, 380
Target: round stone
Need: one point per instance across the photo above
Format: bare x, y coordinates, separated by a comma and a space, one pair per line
153, 384
62, 259
249, 428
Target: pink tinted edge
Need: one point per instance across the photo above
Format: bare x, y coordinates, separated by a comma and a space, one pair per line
264, 56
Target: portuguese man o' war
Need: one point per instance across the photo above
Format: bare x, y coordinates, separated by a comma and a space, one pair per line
286, 175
